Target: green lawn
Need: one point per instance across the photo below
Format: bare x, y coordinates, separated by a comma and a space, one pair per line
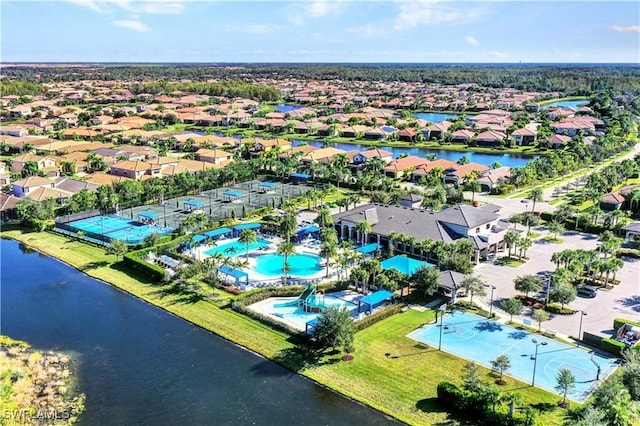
401, 384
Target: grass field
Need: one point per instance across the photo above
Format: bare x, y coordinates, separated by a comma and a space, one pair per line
390, 372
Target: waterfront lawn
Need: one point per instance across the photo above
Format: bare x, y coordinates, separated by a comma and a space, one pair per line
401, 384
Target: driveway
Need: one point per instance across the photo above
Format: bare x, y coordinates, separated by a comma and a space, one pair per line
621, 301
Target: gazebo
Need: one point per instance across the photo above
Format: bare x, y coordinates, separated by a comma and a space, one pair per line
237, 274
148, 218
232, 196
191, 205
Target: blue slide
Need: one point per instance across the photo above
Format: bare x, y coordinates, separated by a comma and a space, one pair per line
306, 293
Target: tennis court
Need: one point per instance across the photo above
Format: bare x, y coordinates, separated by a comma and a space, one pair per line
480, 340
221, 203
113, 227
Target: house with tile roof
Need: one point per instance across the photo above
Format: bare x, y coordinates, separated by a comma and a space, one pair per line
401, 166
22, 187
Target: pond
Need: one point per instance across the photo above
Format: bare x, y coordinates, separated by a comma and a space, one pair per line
435, 117
568, 104
138, 365
509, 160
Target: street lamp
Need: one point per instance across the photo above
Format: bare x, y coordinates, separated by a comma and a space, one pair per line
491, 301
442, 308
209, 202
546, 300
164, 212
535, 360
582, 314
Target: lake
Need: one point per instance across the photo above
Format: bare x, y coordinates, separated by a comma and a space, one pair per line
568, 104
435, 117
139, 365
509, 160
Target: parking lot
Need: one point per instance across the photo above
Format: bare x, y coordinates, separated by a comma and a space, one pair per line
621, 301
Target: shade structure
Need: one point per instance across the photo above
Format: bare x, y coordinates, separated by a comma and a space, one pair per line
237, 274
404, 264
193, 204
308, 230
369, 248
247, 226
267, 185
232, 193
217, 232
302, 176
198, 238
374, 299
148, 215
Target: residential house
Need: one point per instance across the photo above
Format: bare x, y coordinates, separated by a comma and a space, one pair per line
490, 138
8, 203
321, 154
22, 187
14, 130
364, 156
559, 141
524, 136
491, 178
135, 169
632, 231
426, 169
436, 130
401, 166
457, 174
45, 164
215, 156
462, 136
411, 200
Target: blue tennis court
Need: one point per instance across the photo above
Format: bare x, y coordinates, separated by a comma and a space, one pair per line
118, 228
477, 339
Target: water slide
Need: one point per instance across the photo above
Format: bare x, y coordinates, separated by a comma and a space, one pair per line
303, 297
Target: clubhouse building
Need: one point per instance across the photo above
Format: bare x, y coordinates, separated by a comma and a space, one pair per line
477, 224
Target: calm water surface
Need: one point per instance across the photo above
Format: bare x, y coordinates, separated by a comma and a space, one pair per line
139, 365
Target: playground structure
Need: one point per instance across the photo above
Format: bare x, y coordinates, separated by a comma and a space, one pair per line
309, 301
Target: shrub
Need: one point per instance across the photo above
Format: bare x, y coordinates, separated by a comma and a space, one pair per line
612, 346
554, 308
449, 395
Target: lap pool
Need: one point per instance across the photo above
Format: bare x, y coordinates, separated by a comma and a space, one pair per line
300, 265
477, 339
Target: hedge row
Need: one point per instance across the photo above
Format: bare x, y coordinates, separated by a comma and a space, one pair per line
381, 314
151, 270
612, 346
619, 322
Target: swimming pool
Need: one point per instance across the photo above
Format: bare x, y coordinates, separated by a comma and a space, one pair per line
236, 248
475, 338
294, 314
300, 265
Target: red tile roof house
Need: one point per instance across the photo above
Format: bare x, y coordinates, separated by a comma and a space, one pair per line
22, 187
559, 141
215, 156
364, 156
524, 136
437, 130
462, 136
490, 138
490, 179
456, 175
401, 166
408, 134
571, 126
425, 170
616, 199
135, 169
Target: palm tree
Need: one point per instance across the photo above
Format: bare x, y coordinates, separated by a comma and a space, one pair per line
525, 244
363, 227
511, 238
247, 237
286, 249
566, 382
324, 219
372, 267
288, 224
536, 195
555, 227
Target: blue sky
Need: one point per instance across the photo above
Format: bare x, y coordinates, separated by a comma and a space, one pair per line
320, 31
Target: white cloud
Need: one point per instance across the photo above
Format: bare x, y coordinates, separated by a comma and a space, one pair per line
151, 7
471, 40
629, 29
498, 55
434, 12
315, 9
133, 25
369, 30
263, 29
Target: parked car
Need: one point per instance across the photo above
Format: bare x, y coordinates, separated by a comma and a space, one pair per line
587, 291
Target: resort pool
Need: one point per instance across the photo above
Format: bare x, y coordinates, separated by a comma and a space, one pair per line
300, 265
235, 248
475, 338
296, 315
